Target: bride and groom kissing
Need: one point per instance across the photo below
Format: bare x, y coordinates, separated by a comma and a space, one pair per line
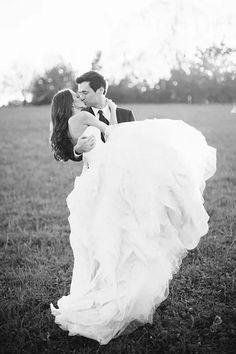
92, 89
134, 213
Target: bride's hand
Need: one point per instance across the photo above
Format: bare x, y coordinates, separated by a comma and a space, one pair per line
108, 131
111, 104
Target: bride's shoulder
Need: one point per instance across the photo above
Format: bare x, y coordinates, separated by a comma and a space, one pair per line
78, 118
76, 125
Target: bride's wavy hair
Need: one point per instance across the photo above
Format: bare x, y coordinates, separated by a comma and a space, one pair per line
61, 111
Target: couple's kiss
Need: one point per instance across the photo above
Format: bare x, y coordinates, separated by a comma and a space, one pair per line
91, 95
134, 212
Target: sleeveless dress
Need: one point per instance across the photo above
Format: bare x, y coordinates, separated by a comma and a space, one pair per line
134, 213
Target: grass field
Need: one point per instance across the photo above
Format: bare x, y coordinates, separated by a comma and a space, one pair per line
199, 316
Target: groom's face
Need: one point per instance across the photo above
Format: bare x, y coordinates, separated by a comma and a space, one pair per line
88, 95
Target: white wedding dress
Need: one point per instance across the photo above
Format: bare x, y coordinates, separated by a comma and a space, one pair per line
134, 213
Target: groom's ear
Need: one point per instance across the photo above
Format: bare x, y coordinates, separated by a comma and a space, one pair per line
101, 91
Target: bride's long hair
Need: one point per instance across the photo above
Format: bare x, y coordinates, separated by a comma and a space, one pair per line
61, 111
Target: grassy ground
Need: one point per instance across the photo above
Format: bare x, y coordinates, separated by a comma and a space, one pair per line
199, 315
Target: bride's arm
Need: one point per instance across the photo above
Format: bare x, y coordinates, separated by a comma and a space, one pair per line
89, 119
79, 122
112, 106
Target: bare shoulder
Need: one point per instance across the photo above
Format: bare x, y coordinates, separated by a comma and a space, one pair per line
77, 124
78, 118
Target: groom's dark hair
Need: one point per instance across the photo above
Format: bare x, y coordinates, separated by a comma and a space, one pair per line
95, 80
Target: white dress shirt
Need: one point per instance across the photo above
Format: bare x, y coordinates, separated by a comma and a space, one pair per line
106, 112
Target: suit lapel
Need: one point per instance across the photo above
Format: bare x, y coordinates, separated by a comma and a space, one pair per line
119, 114
90, 110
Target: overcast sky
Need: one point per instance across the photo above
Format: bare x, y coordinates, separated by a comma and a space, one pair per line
146, 33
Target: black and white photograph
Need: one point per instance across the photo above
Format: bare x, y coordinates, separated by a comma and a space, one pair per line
118, 176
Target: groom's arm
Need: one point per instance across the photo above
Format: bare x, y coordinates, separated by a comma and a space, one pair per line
124, 115
79, 148
84, 144
131, 116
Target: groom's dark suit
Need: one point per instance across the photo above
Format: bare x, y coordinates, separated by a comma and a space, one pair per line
123, 115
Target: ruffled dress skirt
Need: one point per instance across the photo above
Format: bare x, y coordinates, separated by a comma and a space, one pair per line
134, 214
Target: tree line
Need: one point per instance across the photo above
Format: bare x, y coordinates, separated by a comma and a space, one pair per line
209, 77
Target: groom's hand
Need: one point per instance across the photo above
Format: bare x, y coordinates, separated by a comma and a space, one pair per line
84, 144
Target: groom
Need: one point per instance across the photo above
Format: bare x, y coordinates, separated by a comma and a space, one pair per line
92, 89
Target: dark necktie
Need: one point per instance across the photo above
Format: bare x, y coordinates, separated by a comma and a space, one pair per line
104, 120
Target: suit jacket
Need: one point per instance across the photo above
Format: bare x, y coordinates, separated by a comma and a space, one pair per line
123, 115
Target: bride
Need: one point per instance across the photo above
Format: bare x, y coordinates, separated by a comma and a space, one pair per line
134, 213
